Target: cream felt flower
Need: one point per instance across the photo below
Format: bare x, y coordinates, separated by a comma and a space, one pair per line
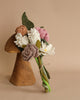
21, 41
47, 49
33, 36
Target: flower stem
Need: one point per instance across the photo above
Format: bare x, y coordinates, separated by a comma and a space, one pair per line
43, 73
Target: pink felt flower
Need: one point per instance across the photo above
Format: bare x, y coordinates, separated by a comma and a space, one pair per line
43, 33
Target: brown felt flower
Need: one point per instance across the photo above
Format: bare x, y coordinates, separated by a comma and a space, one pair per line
29, 51
21, 29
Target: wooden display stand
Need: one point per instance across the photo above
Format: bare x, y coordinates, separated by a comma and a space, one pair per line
22, 74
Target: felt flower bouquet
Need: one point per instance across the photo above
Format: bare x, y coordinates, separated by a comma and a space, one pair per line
33, 42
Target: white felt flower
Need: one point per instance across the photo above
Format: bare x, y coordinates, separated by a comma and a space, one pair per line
33, 36
21, 41
47, 49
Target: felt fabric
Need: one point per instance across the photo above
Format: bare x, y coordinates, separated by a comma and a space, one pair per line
21, 29
29, 51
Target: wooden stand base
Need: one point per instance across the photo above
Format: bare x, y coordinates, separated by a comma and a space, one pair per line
22, 74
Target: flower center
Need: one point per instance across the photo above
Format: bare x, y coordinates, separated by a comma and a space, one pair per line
45, 50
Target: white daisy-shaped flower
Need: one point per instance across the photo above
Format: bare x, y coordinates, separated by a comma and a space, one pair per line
33, 36
21, 41
47, 49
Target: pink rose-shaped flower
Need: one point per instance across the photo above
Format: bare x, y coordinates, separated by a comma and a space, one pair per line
29, 51
43, 33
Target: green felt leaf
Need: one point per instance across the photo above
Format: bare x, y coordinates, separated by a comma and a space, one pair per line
44, 41
38, 44
42, 27
27, 22
23, 46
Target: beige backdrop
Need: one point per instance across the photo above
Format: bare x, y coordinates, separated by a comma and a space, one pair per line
61, 18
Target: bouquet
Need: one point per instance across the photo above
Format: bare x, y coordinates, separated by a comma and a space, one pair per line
33, 42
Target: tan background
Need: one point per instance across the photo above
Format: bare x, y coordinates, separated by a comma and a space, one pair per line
61, 18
